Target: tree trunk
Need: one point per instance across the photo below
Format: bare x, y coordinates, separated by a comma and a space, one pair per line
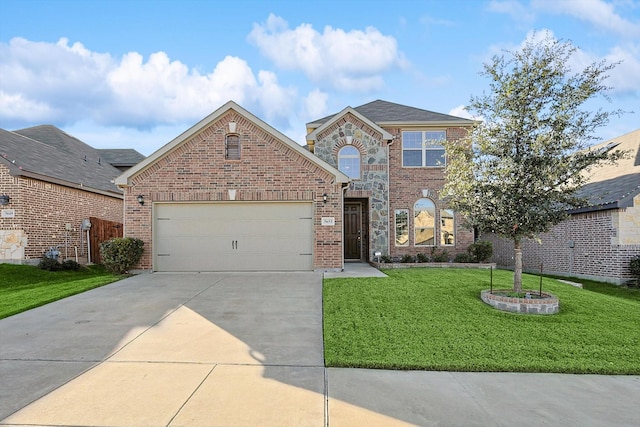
517, 271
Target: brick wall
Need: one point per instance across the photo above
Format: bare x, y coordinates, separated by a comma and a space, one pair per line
268, 170
406, 186
582, 246
43, 209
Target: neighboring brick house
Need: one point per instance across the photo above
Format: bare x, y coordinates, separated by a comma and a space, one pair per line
232, 193
49, 183
395, 158
597, 241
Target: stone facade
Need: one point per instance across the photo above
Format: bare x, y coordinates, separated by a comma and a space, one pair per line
196, 170
593, 245
38, 214
373, 184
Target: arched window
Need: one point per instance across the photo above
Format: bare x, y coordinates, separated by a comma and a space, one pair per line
349, 161
424, 223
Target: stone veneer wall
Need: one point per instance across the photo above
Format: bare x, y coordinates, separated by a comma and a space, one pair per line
268, 170
374, 177
585, 245
42, 210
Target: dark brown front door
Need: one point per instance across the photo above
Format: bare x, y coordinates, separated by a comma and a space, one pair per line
352, 231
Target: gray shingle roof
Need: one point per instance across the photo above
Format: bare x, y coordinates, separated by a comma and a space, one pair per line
121, 157
56, 157
388, 112
615, 186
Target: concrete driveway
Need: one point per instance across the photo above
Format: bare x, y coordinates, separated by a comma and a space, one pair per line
245, 349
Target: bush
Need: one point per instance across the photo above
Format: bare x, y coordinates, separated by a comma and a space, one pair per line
386, 259
120, 254
634, 266
440, 256
407, 259
423, 258
481, 250
70, 265
464, 257
49, 264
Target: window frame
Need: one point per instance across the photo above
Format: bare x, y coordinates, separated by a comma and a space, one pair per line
355, 155
406, 225
442, 227
227, 149
427, 144
416, 228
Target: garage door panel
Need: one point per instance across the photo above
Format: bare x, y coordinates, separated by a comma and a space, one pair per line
233, 236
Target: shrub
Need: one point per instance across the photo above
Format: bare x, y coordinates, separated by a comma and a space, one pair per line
407, 259
70, 265
481, 250
49, 264
121, 253
386, 259
634, 266
464, 257
422, 258
440, 256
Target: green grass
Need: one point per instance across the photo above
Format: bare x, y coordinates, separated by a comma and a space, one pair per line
23, 287
433, 319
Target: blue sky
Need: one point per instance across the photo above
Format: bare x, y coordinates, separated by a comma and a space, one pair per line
129, 73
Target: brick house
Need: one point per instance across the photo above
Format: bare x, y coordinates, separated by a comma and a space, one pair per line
232, 193
49, 183
597, 241
395, 158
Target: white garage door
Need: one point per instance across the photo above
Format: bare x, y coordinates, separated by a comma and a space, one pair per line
233, 236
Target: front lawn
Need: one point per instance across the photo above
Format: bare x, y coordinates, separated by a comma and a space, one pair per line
433, 319
23, 287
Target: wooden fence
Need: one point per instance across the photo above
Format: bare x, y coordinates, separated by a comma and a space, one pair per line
100, 231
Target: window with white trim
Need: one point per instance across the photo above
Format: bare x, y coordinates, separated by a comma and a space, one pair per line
424, 223
447, 228
423, 148
402, 227
349, 161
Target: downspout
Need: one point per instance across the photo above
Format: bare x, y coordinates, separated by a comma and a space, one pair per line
389, 143
344, 191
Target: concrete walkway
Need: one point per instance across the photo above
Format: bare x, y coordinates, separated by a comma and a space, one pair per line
246, 350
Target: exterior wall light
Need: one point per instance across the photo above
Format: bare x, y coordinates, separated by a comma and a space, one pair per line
324, 198
141, 199
4, 199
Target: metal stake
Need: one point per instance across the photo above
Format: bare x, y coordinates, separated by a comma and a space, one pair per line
541, 264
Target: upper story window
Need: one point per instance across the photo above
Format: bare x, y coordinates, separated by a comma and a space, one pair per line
349, 161
423, 148
232, 147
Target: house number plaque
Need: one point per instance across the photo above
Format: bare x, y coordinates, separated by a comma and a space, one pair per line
8, 213
328, 220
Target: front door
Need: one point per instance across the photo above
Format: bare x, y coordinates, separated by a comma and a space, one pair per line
352, 230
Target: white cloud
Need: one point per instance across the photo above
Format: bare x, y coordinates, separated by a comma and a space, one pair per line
315, 104
352, 61
461, 111
63, 84
514, 9
597, 12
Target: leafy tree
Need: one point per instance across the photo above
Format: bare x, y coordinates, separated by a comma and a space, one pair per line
518, 171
